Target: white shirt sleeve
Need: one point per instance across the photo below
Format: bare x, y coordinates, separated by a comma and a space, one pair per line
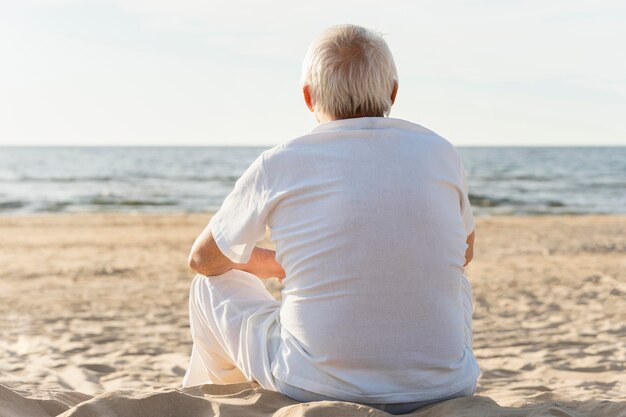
241, 220
466, 208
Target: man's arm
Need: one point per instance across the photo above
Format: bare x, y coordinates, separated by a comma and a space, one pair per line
469, 253
207, 259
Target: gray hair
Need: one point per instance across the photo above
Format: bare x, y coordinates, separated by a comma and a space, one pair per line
350, 72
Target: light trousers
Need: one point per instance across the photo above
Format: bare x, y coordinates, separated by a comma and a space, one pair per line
235, 329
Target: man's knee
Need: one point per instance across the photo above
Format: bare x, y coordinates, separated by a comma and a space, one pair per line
199, 283
203, 286
200, 300
194, 289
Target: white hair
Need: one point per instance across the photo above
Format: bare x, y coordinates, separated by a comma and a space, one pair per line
350, 72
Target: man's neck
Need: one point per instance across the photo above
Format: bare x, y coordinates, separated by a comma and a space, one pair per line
323, 118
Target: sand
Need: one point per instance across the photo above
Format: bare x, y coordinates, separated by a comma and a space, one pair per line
93, 320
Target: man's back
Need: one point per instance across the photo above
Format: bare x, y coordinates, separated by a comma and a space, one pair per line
372, 225
367, 216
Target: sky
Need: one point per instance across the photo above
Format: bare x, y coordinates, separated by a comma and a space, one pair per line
206, 72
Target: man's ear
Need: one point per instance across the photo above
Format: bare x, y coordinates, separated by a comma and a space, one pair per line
394, 92
307, 97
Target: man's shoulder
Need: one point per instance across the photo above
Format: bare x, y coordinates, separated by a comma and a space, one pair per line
291, 146
328, 134
423, 133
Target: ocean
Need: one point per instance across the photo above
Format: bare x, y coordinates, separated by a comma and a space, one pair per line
502, 180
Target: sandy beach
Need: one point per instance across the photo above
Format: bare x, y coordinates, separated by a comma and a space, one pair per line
93, 320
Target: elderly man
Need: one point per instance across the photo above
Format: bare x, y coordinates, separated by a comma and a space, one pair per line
373, 227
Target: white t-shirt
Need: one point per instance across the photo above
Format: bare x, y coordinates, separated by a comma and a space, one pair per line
370, 218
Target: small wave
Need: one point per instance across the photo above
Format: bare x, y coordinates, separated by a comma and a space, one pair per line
544, 212
11, 205
61, 179
537, 178
54, 207
130, 202
124, 178
484, 201
520, 177
607, 185
516, 205
210, 178
190, 178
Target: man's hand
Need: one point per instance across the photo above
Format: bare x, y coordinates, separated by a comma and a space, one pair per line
207, 259
263, 264
469, 253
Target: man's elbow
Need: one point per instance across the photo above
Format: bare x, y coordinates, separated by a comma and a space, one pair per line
199, 264
205, 265
194, 261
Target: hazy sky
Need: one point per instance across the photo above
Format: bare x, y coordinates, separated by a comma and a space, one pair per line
205, 72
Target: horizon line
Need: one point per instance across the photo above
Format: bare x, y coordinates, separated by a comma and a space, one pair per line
605, 145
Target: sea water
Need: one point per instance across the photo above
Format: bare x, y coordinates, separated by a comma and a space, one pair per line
502, 180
